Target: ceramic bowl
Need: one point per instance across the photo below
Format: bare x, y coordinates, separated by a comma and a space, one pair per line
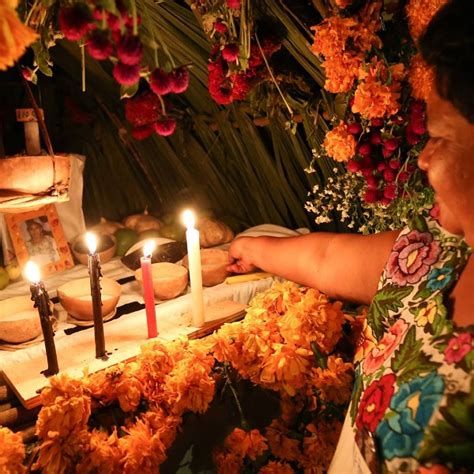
169, 279
19, 320
75, 297
106, 248
213, 266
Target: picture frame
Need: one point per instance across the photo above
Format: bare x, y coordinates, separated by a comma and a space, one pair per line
38, 236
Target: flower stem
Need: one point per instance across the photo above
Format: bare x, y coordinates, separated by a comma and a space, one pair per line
319, 358
290, 110
83, 66
134, 17
243, 422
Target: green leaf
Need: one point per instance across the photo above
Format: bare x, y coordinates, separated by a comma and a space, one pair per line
389, 298
108, 5
42, 58
419, 224
409, 361
452, 439
128, 91
356, 394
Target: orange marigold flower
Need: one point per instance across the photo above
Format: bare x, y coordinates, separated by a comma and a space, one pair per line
281, 445
290, 407
420, 13
378, 91
12, 452
62, 385
190, 386
420, 77
320, 445
129, 393
339, 143
286, 367
341, 72
142, 450
102, 455
64, 417
335, 382
15, 37
227, 463
246, 443
332, 34
276, 467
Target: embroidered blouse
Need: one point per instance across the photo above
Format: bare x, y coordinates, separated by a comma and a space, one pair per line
413, 399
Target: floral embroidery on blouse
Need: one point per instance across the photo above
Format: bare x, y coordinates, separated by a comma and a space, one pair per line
414, 387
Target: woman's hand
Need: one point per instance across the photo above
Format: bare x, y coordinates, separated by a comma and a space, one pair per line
240, 255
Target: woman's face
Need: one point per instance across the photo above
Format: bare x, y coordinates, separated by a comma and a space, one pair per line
36, 231
448, 160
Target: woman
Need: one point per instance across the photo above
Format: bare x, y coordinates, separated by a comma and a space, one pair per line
412, 408
41, 246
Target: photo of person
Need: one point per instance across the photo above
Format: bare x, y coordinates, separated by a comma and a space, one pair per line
39, 241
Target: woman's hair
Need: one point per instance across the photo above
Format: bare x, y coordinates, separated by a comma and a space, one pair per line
448, 46
30, 224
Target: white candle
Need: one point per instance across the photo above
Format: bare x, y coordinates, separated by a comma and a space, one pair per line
148, 295
195, 275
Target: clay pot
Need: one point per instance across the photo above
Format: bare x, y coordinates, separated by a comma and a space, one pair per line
213, 266
19, 320
75, 297
106, 248
169, 279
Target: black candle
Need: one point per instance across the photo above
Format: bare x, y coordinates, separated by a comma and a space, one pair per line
40, 296
94, 276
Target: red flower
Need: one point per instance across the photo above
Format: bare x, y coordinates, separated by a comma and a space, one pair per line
179, 80
371, 196
458, 348
160, 82
140, 133
129, 49
165, 127
220, 27
74, 21
375, 401
143, 109
99, 46
233, 4
230, 52
114, 22
125, 74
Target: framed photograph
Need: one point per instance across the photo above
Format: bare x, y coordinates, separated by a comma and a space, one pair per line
38, 236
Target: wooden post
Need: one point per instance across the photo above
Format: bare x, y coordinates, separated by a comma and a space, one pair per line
30, 122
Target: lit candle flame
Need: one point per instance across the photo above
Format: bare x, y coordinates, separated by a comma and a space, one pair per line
32, 272
91, 242
188, 219
148, 248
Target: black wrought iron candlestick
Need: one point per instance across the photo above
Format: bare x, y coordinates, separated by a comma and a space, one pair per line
40, 296
94, 275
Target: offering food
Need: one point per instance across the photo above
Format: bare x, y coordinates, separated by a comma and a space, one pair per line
169, 279
213, 266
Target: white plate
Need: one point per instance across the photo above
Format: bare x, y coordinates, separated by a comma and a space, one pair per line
271, 230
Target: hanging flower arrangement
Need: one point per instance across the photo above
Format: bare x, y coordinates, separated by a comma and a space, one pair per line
110, 32
238, 59
124, 419
383, 129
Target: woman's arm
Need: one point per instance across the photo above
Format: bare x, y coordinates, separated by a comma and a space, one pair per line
345, 266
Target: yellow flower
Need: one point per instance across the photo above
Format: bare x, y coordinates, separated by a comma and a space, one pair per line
420, 13
367, 340
339, 143
427, 313
15, 37
12, 452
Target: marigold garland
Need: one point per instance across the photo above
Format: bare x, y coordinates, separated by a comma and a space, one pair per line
339, 143
287, 328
